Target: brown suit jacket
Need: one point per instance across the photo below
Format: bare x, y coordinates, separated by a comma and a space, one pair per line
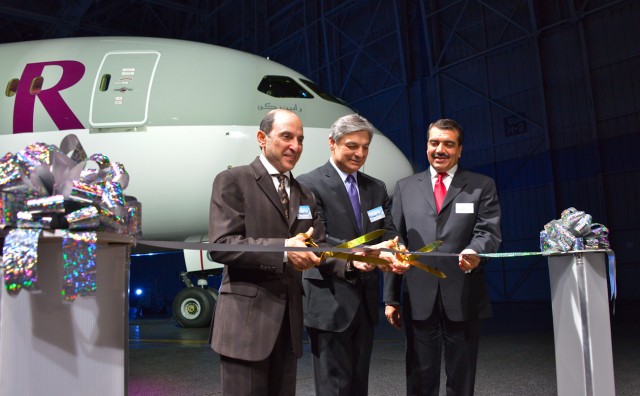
257, 288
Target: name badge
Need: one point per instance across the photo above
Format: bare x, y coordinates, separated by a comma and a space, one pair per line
375, 214
304, 212
464, 207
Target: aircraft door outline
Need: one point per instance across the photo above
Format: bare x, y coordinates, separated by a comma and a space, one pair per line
122, 89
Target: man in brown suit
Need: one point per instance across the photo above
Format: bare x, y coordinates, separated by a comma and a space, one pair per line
257, 328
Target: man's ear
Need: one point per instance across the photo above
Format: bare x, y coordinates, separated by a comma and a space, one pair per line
262, 138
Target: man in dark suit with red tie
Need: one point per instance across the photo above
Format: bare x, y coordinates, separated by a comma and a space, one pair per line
341, 299
257, 327
438, 312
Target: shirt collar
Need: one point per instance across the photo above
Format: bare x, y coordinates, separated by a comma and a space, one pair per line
343, 175
272, 169
450, 172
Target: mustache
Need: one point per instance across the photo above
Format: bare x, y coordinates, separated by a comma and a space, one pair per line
440, 155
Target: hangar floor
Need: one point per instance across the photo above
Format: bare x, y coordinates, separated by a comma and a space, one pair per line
516, 356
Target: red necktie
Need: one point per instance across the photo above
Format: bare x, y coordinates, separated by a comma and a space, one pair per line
439, 191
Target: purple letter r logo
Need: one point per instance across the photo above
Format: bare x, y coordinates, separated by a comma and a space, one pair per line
61, 114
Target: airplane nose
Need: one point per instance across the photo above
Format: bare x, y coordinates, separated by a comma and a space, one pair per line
386, 162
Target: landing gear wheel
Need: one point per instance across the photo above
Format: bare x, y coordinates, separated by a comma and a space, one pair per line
193, 307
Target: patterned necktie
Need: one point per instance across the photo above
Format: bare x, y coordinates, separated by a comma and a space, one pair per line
284, 197
439, 191
355, 201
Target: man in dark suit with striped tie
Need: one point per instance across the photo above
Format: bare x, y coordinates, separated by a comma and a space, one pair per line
257, 327
341, 299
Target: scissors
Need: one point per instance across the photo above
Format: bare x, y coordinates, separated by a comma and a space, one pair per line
353, 243
412, 259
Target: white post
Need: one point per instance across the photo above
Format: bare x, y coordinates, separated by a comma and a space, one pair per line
52, 348
582, 333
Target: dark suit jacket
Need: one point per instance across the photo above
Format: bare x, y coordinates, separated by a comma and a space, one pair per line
414, 212
256, 287
330, 298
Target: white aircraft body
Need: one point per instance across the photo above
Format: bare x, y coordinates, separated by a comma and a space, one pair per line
174, 113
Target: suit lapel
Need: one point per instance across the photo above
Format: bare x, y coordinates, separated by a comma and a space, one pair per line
294, 199
335, 183
457, 184
425, 185
366, 201
265, 182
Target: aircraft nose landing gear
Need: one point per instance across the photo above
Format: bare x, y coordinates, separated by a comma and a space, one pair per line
194, 305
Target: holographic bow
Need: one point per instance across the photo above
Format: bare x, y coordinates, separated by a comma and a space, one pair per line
573, 231
45, 187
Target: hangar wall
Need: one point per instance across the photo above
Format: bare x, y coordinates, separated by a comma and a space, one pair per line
547, 91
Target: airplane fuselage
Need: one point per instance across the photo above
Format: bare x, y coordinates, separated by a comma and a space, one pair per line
175, 113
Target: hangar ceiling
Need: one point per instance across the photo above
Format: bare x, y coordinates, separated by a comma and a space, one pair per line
547, 90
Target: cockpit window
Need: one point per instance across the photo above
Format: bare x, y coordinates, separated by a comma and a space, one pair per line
321, 93
283, 87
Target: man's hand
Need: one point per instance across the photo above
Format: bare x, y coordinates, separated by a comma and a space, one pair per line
399, 264
396, 264
467, 260
301, 260
364, 266
394, 260
374, 251
392, 312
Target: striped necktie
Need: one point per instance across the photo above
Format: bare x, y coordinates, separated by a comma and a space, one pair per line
284, 197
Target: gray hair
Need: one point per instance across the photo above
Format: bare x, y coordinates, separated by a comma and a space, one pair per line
349, 124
